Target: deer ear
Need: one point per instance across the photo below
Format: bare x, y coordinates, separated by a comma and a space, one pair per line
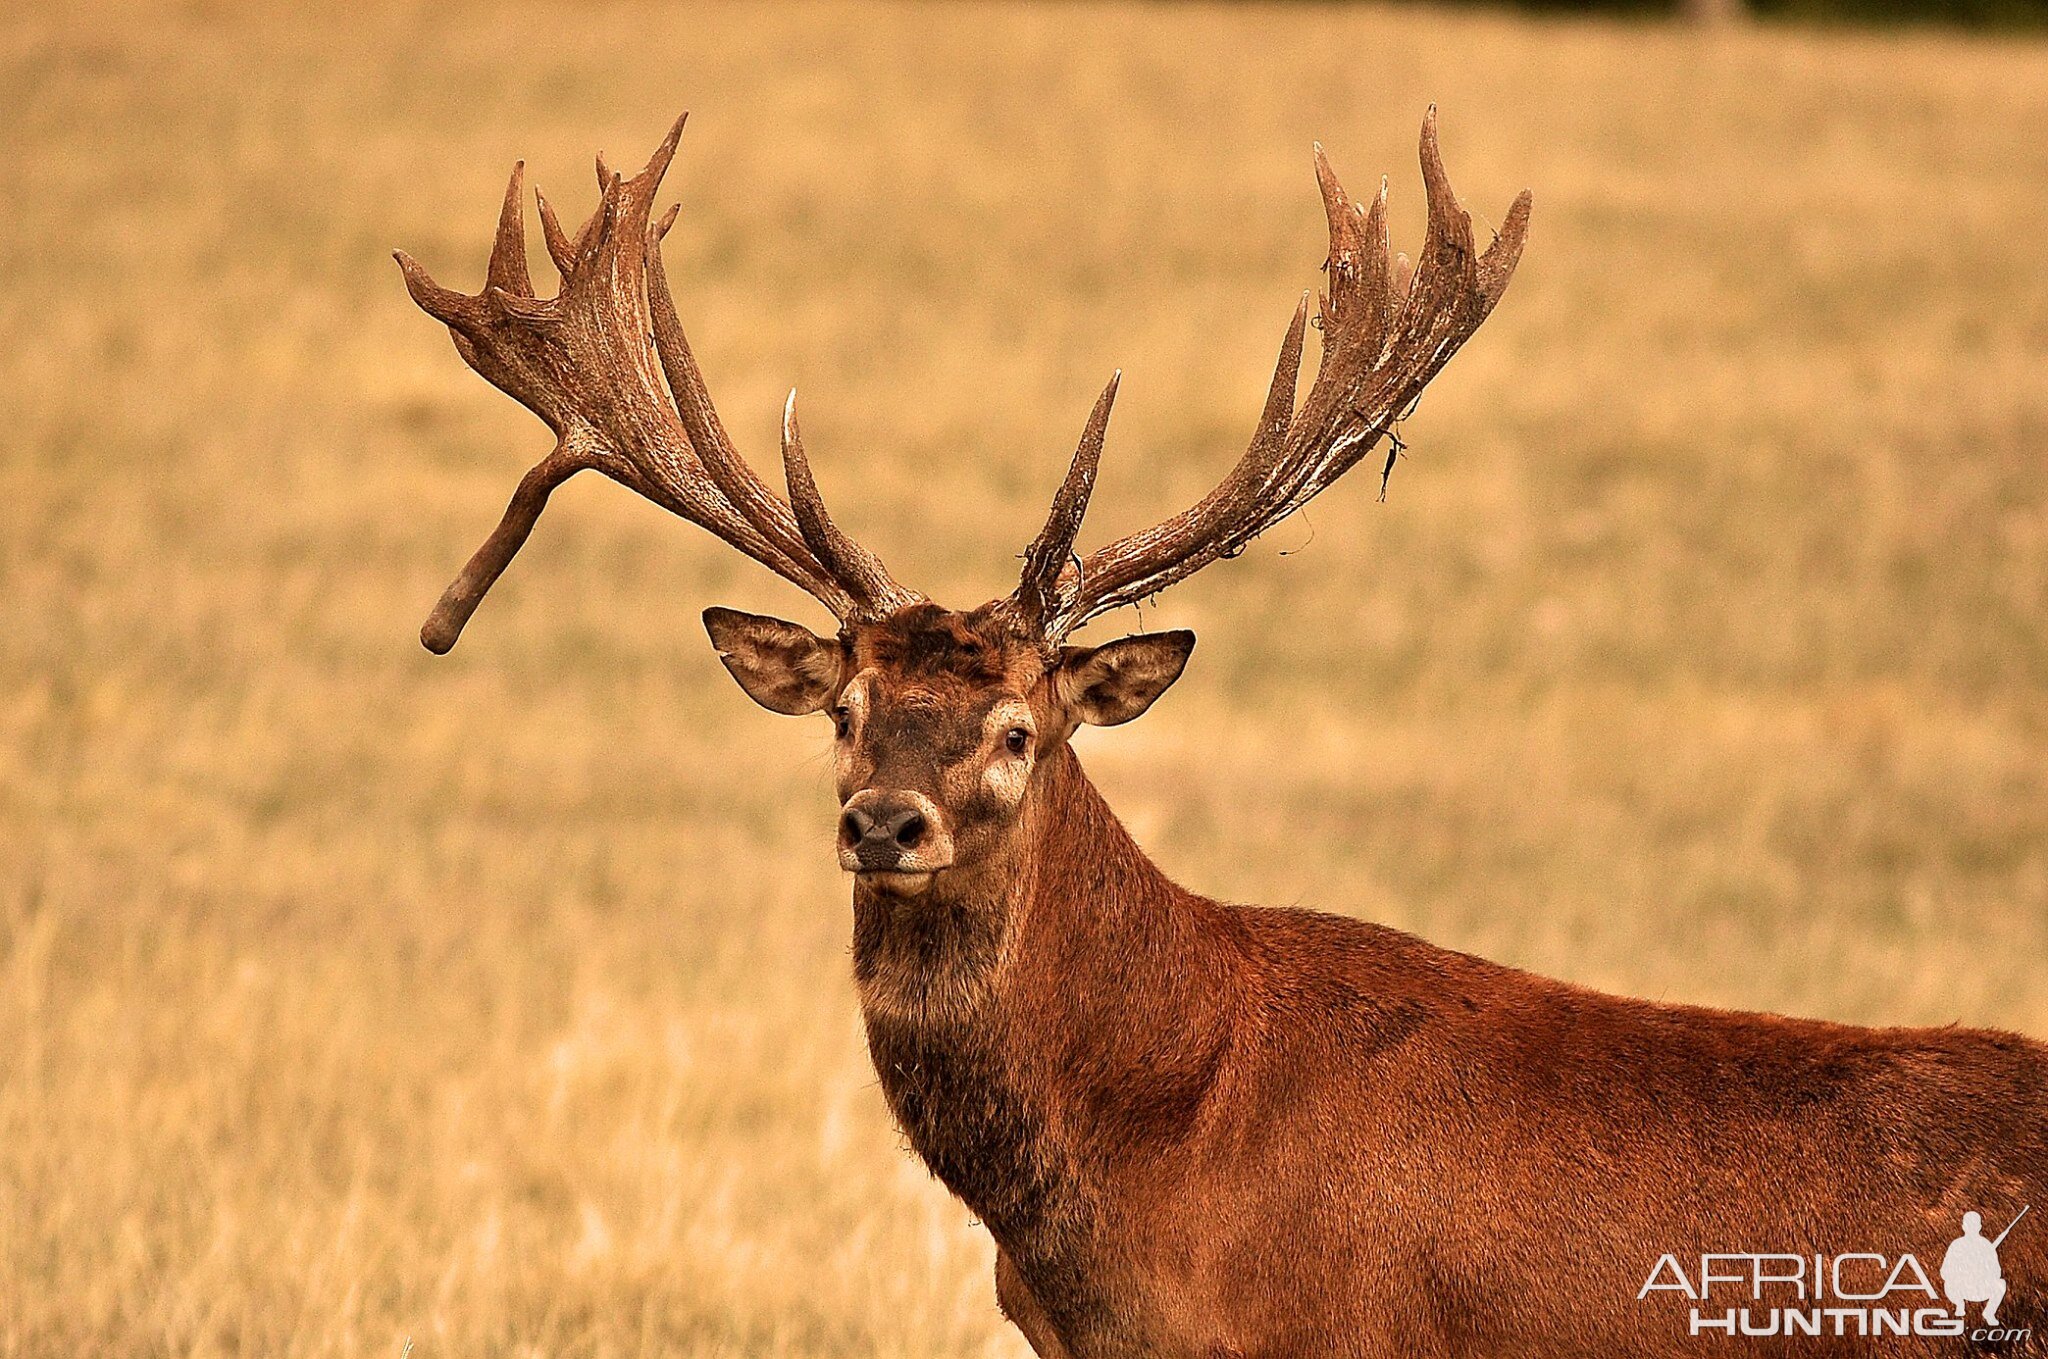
1116, 681
783, 667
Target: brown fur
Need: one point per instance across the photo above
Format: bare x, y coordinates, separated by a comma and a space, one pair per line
1202, 1129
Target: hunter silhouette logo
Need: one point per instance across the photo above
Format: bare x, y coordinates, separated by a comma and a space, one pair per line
1970, 1272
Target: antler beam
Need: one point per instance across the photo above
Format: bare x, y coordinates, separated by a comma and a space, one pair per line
592, 362
1386, 331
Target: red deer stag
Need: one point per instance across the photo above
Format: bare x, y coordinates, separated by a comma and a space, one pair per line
1201, 1129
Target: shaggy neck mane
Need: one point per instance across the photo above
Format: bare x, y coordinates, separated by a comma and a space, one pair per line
1062, 1006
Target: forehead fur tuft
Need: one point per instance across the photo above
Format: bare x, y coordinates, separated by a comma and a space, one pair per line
926, 642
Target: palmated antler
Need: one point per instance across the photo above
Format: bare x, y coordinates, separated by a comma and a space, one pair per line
1384, 338
591, 361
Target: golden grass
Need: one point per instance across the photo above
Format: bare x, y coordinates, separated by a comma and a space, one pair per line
500, 1001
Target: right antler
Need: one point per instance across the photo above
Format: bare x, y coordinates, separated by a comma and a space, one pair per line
590, 362
1384, 338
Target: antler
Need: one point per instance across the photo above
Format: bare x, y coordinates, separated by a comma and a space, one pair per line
590, 361
1384, 338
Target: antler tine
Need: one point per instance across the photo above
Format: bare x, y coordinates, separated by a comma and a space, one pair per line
1497, 265
591, 362
1131, 569
1361, 286
452, 611
507, 268
560, 249
443, 304
736, 481
1385, 334
874, 592
1450, 226
1038, 592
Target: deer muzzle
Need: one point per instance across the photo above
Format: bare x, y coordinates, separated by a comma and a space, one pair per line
892, 831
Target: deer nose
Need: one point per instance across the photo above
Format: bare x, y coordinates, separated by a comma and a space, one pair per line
891, 830
903, 826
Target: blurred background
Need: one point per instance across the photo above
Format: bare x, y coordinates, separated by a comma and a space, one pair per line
501, 1001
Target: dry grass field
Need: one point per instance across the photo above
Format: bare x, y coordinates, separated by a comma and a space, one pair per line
500, 1001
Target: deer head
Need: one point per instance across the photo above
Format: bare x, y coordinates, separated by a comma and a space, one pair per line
941, 717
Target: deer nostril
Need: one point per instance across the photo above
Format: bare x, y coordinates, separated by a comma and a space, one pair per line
910, 830
855, 825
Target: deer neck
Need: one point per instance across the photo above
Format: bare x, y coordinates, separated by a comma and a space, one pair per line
1022, 1014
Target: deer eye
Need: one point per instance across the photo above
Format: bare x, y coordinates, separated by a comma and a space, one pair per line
842, 722
1017, 740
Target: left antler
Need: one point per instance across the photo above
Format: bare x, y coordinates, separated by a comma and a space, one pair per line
1384, 338
591, 362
